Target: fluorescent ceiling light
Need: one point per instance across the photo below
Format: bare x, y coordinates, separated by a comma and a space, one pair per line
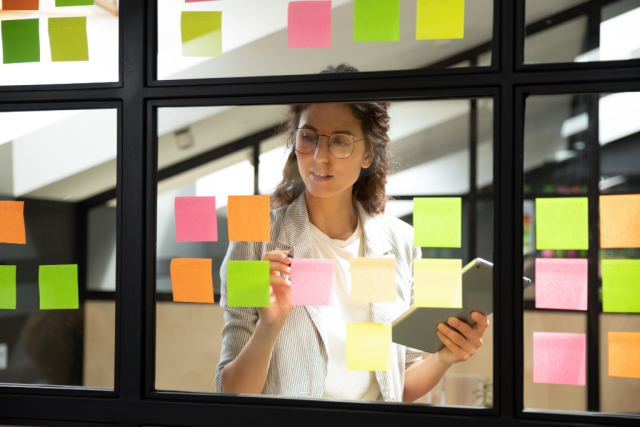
15, 124
619, 116
620, 36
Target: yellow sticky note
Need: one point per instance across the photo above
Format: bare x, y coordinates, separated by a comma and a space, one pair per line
624, 354
440, 19
368, 347
438, 283
373, 280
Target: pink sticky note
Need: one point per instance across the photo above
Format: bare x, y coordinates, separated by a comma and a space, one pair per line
312, 281
559, 358
562, 283
196, 219
309, 24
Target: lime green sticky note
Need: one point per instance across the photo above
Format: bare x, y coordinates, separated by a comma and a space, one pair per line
20, 41
440, 19
438, 283
248, 284
63, 3
68, 39
562, 223
621, 285
376, 20
8, 287
437, 222
368, 347
58, 286
202, 34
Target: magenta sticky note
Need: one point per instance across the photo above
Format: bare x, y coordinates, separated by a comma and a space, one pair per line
312, 281
559, 358
309, 24
562, 283
196, 219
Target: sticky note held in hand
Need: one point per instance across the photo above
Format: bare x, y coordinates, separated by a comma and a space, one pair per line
373, 280
12, 222
68, 39
8, 287
624, 354
437, 222
376, 20
559, 358
201, 34
621, 285
20, 41
192, 280
312, 281
440, 19
249, 218
309, 24
196, 219
562, 283
620, 221
58, 286
562, 223
438, 283
248, 284
368, 347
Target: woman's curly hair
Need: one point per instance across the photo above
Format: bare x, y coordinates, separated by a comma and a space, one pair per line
369, 189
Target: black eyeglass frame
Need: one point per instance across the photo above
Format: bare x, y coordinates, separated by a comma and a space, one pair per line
318, 135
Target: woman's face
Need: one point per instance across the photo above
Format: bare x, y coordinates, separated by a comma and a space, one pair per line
325, 175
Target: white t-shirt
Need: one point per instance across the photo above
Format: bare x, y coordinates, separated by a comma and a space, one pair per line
341, 383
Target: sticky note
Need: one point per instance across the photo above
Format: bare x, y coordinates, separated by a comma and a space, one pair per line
562, 223
12, 222
20, 41
8, 287
68, 39
20, 4
309, 24
249, 218
440, 19
559, 358
620, 221
192, 280
437, 222
248, 284
201, 34
58, 286
438, 283
376, 20
621, 285
373, 280
368, 347
562, 283
64, 3
624, 354
196, 219
312, 281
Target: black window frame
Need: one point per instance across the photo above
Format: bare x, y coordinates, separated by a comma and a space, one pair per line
138, 94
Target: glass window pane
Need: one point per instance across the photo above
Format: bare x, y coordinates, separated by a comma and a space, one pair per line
256, 35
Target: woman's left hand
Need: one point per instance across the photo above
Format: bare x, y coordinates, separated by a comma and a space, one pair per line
461, 346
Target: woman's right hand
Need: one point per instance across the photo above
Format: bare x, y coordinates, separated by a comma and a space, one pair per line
280, 290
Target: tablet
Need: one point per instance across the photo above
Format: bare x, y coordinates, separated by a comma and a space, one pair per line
416, 328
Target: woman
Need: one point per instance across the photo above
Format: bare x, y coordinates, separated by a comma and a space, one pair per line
331, 200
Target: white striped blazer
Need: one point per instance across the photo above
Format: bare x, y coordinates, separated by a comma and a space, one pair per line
298, 366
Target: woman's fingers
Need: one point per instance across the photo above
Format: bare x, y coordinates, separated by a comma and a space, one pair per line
482, 323
472, 335
279, 281
278, 256
278, 267
457, 338
455, 349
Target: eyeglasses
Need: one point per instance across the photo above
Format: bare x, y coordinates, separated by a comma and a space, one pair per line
341, 144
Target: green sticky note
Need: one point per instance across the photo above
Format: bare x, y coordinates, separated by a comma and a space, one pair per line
248, 284
562, 223
68, 39
63, 3
440, 19
201, 34
8, 287
621, 285
20, 41
437, 222
58, 286
376, 20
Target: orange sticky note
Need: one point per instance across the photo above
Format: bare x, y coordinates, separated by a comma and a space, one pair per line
12, 222
191, 280
373, 280
620, 221
624, 354
249, 218
20, 4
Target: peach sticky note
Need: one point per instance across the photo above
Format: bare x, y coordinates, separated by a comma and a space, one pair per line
309, 24
312, 281
249, 218
20, 4
620, 221
196, 219
373, 280
368, 347
12, 222
559, 358
192, 280
562, 283
438, 283
624, 354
